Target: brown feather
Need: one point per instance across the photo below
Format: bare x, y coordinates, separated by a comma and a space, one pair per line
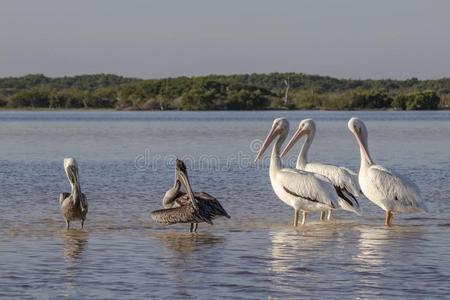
209, 203
180, 214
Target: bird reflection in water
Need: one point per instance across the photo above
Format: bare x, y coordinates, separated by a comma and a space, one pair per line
301, 258
186, 242
387, 252
189, 253
296, 250
74, 244
377, 246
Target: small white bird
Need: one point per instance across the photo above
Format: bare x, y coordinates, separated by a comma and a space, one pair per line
390, 191
344, 180
301, 190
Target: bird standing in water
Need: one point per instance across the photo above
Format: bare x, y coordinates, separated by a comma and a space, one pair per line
305, 191
344, 180
187, 207
73, 205
390, 191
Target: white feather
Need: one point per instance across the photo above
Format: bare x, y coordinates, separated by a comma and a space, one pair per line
299, 189
385, 188
391, 191
319, 191
341, 179
344, 180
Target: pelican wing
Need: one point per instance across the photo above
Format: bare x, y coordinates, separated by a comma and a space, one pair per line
354, 175
83, 200
204, 195
308, 186
345, 182
212, 204
208, 204
182, 198
84, 203
399, 190
181, 214
350, 172
342, 178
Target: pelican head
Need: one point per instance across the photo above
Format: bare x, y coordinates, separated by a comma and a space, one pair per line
181, 173
359, 130
180, 166
280, 127
306, 127
71, 169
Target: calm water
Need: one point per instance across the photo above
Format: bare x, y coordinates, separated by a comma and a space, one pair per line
125, 161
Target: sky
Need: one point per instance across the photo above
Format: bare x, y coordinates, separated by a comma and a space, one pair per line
161, 38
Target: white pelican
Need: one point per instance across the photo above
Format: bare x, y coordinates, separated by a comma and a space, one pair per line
301, 190
345, 181
390, 191
73, 205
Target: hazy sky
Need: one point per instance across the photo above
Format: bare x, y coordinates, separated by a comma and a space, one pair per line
342, 38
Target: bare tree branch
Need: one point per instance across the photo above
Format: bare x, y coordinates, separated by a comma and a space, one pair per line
286, 82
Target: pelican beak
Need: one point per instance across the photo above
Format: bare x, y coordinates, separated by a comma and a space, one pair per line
71, 170
297, 135
364, 152
270, 137
182, 177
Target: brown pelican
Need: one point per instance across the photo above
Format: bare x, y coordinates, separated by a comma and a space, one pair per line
387, 189
73, 205
190, 207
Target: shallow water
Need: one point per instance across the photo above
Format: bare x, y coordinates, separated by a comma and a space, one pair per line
125, 161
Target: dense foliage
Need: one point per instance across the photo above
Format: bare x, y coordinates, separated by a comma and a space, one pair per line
221, 92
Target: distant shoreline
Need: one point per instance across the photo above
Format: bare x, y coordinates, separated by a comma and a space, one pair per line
274, 91
229, 110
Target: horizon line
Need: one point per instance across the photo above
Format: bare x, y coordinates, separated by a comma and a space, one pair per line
225, 74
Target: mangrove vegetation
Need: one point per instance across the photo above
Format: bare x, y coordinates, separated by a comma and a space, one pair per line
222, 92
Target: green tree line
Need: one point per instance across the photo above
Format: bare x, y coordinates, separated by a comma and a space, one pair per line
222, 92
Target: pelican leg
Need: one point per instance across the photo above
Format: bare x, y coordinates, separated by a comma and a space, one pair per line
304, 215
322, 215
192, 227
295, 217
195, 227
329, 215
389, 218
67, 224
82, 224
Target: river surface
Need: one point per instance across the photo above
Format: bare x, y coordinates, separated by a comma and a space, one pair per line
126, 165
